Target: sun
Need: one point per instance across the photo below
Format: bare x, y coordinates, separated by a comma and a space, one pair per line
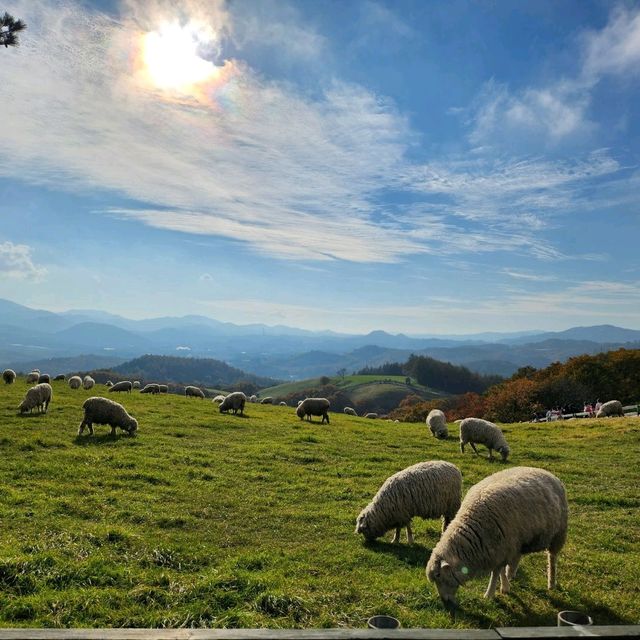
171, 57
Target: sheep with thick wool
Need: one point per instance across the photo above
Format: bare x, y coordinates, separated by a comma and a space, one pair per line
427, 490
37, 397
33, 377
75, 382
9, 376
88, 383
220, 398
164, 388
267, 400
44, 377
508, 514
60, 376
350, 411
136, 384
314, 407
233, 402
438, 424
100, 410
119, 387
151, 388
193, 392
611, 408
371, 416
478, 431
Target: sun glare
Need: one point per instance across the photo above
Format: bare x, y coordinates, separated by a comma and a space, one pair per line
171, 57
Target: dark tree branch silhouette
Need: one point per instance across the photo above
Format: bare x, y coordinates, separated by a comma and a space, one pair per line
9, 27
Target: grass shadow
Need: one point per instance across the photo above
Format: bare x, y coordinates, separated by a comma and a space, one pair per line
97, 440
415, 555
39, 414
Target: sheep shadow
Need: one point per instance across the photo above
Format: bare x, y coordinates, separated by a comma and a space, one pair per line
415, 555
28, 415
100, 439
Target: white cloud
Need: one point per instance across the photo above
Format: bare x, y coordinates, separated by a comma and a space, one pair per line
16, 262
532, 277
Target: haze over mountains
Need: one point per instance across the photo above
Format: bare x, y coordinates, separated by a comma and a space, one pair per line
84, 339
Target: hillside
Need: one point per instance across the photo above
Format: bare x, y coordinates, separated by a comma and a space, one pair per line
213, 520
375, 393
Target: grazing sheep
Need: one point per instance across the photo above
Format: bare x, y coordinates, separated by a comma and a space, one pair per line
88, 382
33, 377
283, 404
44, 377
611, 408
193, 392
37, 397
125, 385
438, 424
267, 400
75, 382
253, 398
371, 416
478, 431
510, 513
151, 388
108, 383
9, 376
164, 388
313, 407
105, 411
350, 412
427, 489
220, 399
299, 402
136, 384
234, 401
60, 376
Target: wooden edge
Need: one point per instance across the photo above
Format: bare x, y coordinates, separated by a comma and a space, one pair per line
596, 631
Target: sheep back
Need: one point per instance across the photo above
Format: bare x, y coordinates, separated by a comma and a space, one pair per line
194, 392
478, 431
427, 489
136, 384
267, 400
611, 408
512, 512
100, 410
75, 382
438, 424
60, 376
9, 376
88, 382
350, 412
314, 407
37, 397
371, 416
151, 388
125, 385
33, 377
234, 401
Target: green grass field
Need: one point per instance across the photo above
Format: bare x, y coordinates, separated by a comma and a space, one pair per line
213, 520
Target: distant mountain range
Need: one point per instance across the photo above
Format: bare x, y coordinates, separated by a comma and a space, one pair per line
95, 339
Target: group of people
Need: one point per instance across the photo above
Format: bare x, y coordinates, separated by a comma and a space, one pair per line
592, 410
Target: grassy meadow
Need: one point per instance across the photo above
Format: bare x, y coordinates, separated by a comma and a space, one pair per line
210, 520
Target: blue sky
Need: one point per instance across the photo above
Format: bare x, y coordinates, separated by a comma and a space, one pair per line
425, 167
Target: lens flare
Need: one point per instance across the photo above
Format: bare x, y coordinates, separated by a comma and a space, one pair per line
171, 57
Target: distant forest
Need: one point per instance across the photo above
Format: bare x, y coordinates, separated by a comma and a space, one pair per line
436, 374
614, 375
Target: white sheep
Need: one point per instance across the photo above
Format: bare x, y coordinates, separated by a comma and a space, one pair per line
44, 377
105, 411
136, 384
510, 513
253, 398
33, 377
108, 383
611, 408
437, 422
37, 397
220, 399
75, 382
283, 403
478, 431
371, 415
350, 412
60, 376
151, 388
314, 407
192, 392
234, 401
124, 385
427, 489
164, 388
9, 376
267, 400
88, 382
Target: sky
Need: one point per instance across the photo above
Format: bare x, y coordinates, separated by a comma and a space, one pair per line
418, 167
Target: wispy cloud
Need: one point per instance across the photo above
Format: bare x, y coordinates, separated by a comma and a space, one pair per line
16, 262
532, 277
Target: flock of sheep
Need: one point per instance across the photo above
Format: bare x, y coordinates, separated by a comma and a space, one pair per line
510, 513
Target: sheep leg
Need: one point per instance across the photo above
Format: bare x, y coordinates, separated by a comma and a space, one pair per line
113, 432
473, 446
512, 568
552, 567
493, 582
81, 428
504, 580
396, 537
409, 534
462, 447
490, 453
